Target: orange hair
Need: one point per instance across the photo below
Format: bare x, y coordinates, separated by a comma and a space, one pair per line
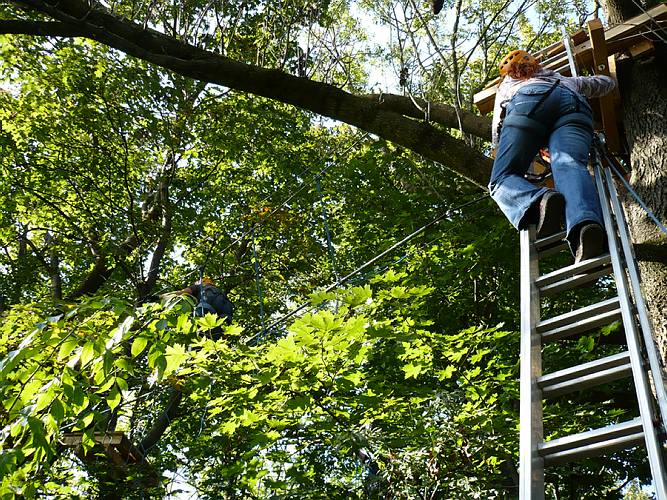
523, 70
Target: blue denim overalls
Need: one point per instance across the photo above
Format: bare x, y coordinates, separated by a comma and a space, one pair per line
545, 114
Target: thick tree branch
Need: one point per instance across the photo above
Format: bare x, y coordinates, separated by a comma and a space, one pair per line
479, 126
102, 268
162, 422
190, 61
165, 237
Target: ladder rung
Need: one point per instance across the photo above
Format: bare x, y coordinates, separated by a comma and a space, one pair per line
574, 276
574, 282
596, 449
580, 320
552, 244
592, 443
549, 240
573, 270
585, 375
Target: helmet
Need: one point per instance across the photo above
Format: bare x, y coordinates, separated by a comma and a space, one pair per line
515, 56
206, 280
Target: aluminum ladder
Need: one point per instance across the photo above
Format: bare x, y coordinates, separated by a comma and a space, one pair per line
640, 360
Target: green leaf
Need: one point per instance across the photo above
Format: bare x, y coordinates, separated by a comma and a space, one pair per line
113, 399
210, 321
174, 356
122, 384
57, 410
611, 328
184, 324
447, 372
87, 420
411, 370
66, 348
138, 346
358, 296
87, 353
317, 298
88, 440
44, 400
586, 343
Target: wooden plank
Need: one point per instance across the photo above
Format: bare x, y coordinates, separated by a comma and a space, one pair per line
596, 36
642, 48
616, 93
117, 446
75, 438
618, 39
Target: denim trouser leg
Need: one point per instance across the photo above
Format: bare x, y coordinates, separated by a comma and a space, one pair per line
509, 189
568, 147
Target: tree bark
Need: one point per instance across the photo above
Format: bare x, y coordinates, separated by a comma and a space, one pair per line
147, 286
644, 98
645, 112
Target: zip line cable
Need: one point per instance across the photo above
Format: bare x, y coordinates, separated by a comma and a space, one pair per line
287, 200
599, 144
330, 248
257, 278
641, 203
412, 251
370, 263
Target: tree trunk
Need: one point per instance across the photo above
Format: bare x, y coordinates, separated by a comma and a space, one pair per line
644, 97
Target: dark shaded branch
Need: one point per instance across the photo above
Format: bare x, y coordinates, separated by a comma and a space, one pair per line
651, 251
162, 244
479, 126
103, 268
321, 98
162, 423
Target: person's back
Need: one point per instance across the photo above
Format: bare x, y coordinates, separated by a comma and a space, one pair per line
536, 108
210, 299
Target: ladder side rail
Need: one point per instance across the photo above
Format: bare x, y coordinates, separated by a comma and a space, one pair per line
531, 433
640, 376
635, 283
567, 43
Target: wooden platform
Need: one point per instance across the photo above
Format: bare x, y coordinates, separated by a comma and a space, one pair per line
120, 453
629, 37
117, 447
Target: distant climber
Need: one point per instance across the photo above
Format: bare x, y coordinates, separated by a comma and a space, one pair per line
535, 108
437, 5
210, 299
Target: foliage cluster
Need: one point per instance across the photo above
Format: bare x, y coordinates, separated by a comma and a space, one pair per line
120, 180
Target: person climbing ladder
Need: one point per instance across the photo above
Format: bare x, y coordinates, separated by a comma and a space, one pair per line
535, 108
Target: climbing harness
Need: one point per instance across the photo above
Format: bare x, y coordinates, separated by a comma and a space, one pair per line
640, 361
204, 306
